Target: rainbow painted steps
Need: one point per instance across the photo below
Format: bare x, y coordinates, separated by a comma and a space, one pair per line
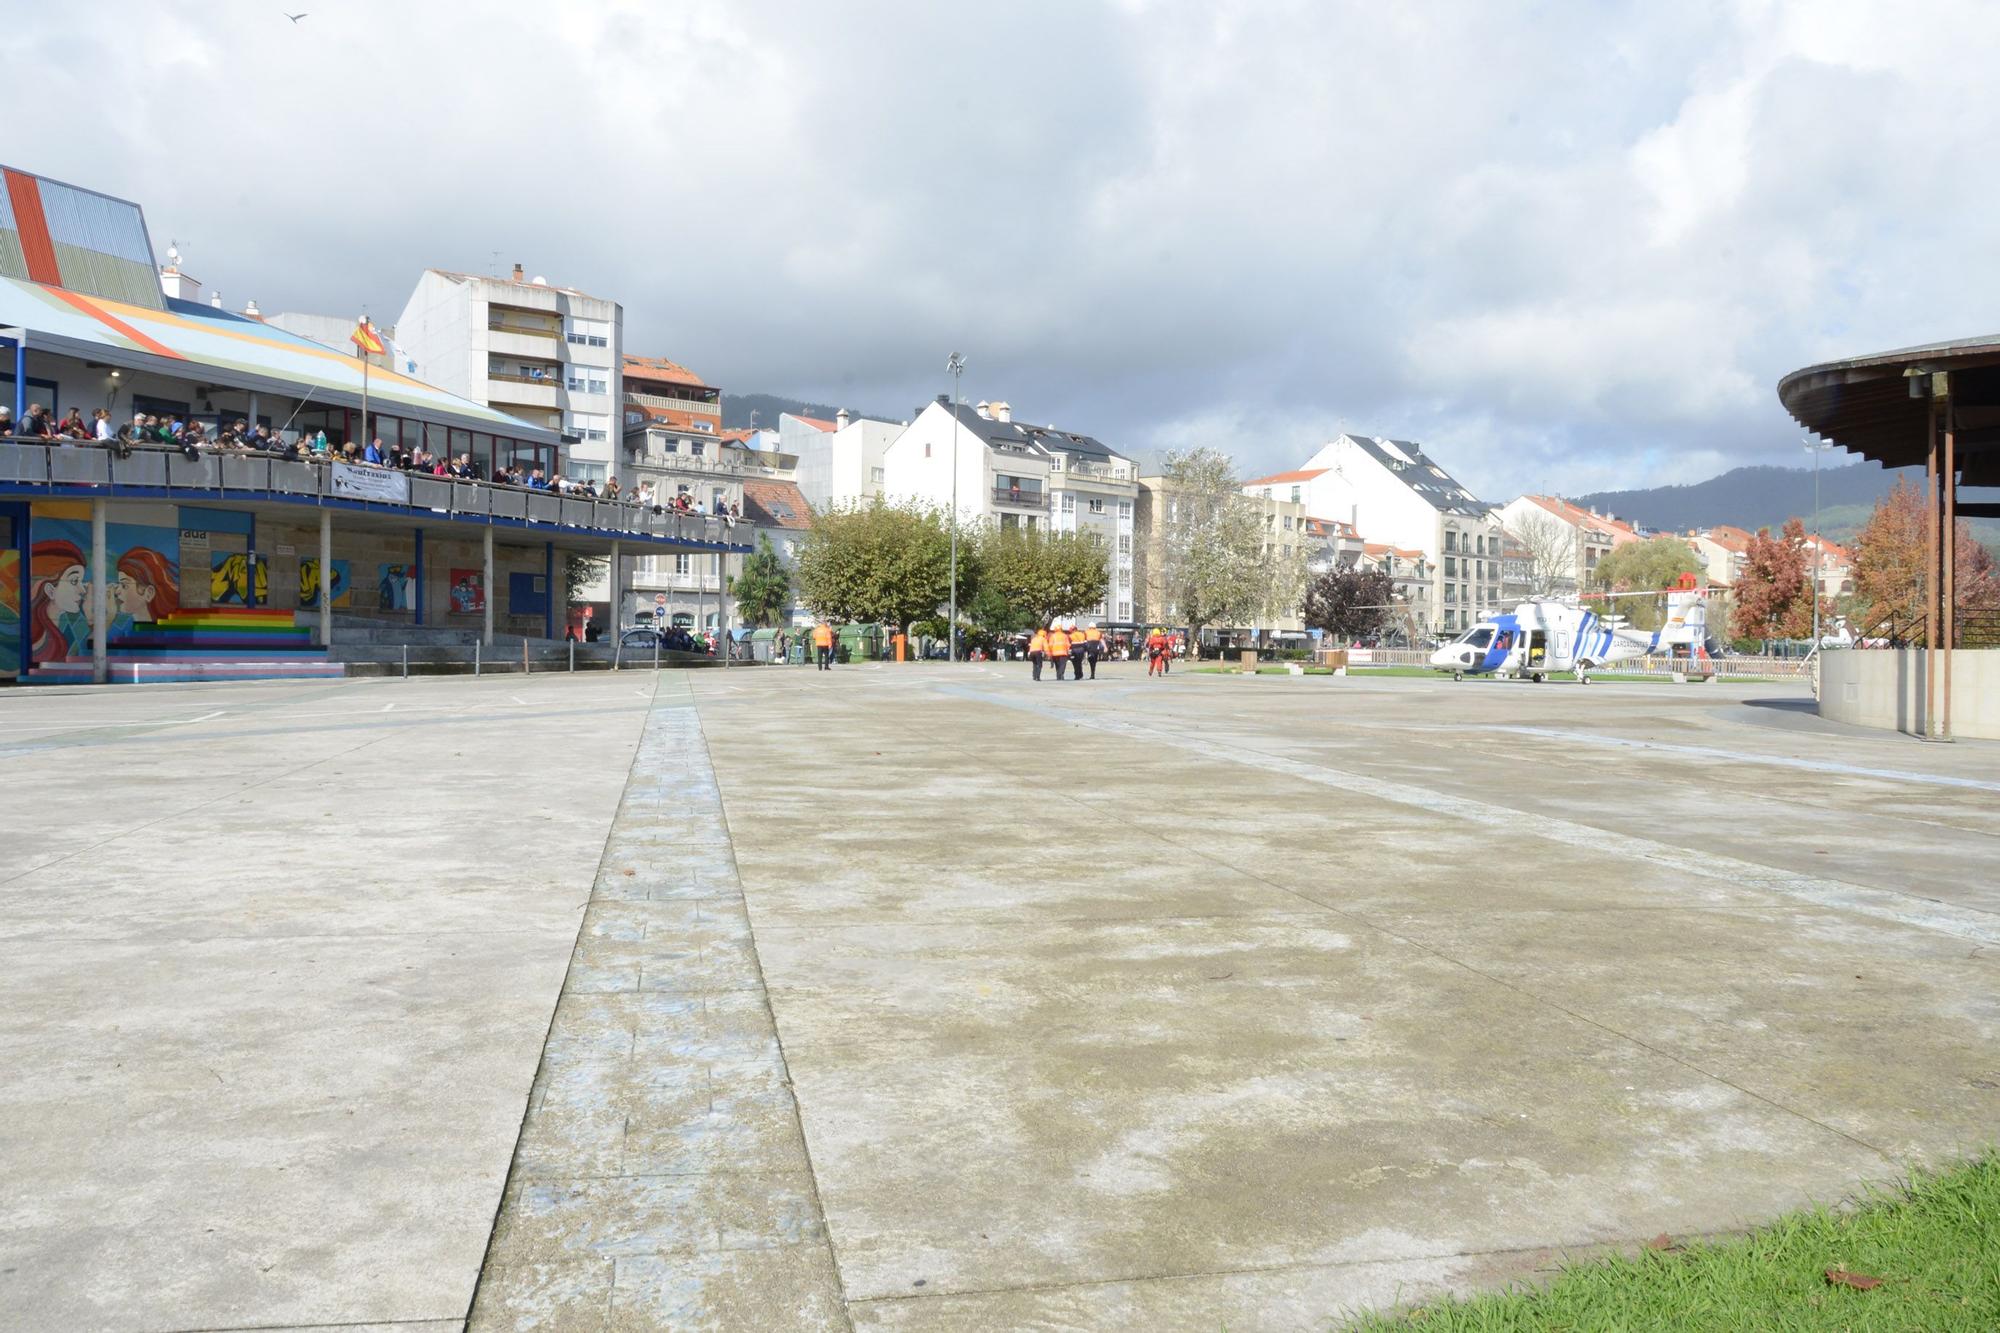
217, 643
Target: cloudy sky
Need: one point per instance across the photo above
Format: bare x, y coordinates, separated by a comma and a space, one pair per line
1566, 245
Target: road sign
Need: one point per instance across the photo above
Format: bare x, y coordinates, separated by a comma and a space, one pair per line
659, 599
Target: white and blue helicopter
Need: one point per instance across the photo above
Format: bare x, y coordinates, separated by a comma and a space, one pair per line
1538, 638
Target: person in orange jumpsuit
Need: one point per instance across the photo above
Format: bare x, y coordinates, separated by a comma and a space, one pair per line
1058, 647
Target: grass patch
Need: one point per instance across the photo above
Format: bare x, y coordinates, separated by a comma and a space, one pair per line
1934, 1248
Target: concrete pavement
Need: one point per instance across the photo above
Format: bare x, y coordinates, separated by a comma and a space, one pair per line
929, 998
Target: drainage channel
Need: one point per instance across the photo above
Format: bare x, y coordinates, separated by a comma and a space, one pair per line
661, 1177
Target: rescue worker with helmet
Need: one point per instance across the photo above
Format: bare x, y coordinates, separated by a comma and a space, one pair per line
1077, 649
823, 644
1093, 647
1058, 646
1038, 649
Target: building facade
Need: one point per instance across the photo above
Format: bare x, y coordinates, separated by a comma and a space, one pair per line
840, 461
1394, 494
1014, 474
550, 356
1563, 542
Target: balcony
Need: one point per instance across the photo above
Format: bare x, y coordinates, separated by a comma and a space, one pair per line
1008, 497
80, 472
551, 332
504, 340
698, 406
523, 391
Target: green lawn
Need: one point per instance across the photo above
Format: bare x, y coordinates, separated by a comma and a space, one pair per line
1933, 1251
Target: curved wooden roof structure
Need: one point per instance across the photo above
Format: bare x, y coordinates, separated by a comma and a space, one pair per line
1866, 404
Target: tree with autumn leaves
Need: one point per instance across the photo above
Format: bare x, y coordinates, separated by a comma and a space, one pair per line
1889, 566
1773, 597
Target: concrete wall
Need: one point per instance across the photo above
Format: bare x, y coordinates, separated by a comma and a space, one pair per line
1884, 687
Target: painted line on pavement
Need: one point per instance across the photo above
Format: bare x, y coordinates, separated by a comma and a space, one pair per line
1907, 909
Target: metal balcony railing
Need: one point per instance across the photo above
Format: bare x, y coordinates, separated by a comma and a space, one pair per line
79, 470
1015, 498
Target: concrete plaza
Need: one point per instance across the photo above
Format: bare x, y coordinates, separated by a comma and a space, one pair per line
930, 998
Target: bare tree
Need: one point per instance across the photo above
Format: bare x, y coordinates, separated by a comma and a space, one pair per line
1554, 554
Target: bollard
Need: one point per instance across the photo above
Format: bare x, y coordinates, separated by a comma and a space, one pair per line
475, 657
406, 661
656, 650
572, 656
524, 657
617, 651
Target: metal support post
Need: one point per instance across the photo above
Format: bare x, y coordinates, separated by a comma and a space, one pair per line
100, 617
325, 578
486, 635
417, 581
1930, 581
1948, 555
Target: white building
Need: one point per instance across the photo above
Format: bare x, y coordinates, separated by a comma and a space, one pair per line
548, 355
1564, 541
1013, 473
1393, 494
840, 461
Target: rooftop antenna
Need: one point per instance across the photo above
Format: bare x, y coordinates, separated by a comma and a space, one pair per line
173, 254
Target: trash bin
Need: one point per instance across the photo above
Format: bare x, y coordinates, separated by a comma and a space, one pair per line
1249, 658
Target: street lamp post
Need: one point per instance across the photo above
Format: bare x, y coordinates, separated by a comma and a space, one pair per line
956, 367
1815, 447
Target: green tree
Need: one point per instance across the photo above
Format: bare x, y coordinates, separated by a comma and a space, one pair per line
1210, 567
877, 562
1648, 566
764, 587
1041, 574
1349, 603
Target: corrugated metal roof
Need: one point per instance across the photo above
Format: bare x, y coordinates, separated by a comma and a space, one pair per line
190, 341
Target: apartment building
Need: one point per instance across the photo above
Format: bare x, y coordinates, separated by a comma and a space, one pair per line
1013, 473
840, 461
1393, 493
1563, 541
548, 355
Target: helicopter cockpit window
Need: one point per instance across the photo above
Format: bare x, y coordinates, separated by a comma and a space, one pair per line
1479, 638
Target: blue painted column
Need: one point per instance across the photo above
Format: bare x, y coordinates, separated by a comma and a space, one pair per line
23, 541
417, 579
548, 582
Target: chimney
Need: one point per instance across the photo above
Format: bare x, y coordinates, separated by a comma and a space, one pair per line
944, 400
1001, 411
519, 273
984, 409
250, 309
215, 299
840, 419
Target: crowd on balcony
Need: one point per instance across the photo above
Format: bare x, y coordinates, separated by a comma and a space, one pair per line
193, 439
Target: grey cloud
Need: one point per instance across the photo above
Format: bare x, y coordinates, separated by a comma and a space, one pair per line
1566, 247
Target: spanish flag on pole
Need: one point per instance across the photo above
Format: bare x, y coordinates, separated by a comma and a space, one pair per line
365, 338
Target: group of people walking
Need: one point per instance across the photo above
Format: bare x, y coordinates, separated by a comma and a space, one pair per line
1062, 644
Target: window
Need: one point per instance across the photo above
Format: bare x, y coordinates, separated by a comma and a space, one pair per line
594, 426
875, 475
589, 333
1124, 543
1451, 541
588, 379
590, 472
695, 447
1124, 610
1068, 503
1124, 509
927, 448
1288, 523
1450, 562
1097, 506
681, 562
1295, 500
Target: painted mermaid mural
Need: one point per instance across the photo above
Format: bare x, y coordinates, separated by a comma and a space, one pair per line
145, 583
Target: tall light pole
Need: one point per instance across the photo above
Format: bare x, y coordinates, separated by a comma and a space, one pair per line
956, 367
1816, 447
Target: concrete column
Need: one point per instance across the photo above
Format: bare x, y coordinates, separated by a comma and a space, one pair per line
617, 589
487, 633
325, 572
417, 582
253, 407
549, 582
100, 604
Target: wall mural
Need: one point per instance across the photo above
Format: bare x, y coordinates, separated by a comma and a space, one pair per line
238, 579
145, 583
343, 583
10, 612
395, 587
468, 591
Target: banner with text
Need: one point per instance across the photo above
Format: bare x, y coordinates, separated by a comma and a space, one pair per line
354, 482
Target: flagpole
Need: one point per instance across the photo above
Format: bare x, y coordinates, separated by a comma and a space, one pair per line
366, 438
